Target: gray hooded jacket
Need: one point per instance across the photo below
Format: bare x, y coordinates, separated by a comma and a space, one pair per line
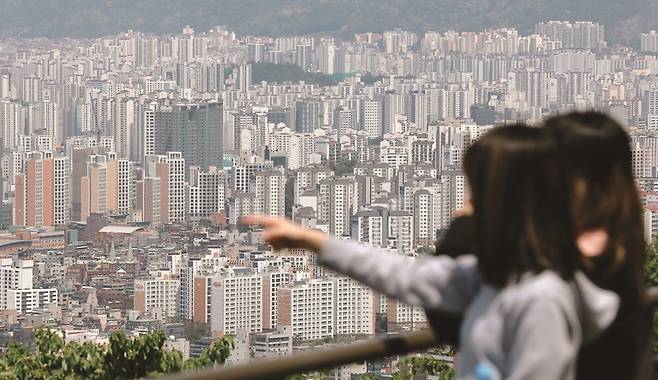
531, 330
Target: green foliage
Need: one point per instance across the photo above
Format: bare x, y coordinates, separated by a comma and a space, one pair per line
623, 18
370, 79
418, 365
651, 276
425, 250
368, 376
195, 330
289, 199
285, 72
343, 166
651, 265
122, 358
322, 375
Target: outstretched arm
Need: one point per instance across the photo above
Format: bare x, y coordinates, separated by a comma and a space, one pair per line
432, 283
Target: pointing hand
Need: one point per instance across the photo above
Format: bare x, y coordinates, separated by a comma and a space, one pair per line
282, 233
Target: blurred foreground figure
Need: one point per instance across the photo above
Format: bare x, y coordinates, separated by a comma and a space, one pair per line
526, 308
607, 217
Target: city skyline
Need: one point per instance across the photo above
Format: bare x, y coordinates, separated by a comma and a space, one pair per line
128, 160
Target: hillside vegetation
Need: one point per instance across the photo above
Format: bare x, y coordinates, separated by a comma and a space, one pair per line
624, 19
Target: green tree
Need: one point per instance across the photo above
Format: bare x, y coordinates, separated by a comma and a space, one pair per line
285, 72
651, 277
343, 166
195, 330
122, 358
326, 374
425, 250
419, 365
289, 200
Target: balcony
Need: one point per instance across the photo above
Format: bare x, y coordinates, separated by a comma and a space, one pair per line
281, 368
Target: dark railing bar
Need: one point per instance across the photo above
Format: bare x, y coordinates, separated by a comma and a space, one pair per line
280, 368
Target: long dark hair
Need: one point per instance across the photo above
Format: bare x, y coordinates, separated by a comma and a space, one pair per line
597, 156
521, 205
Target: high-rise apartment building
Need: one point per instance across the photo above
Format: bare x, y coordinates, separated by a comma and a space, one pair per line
107, 186
303, 56
124, 124
336, 203
371, 118
308, 179
424, 227
157, 296
170, 169
245, 78
272, 281
354, 307
12, 122
147, 199
308, 115
49, 122
308, 308
244, 204
206, 192
244, 175
93, 187
270, 193
344, 119
42, 195
649, 42
327, 57
120, 184
403, 317
401, 231
237, 302
194, 129
16, 288
370, 228
576, 35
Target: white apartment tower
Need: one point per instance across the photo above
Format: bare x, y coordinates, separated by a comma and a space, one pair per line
236, 302
270, 193
401, 232
308, 308
336, 204
206, 192
354, 308
170, 169
158, 293
272, 281
369, 228
16, 289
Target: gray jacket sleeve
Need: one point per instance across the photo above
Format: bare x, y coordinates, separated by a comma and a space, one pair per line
432, 282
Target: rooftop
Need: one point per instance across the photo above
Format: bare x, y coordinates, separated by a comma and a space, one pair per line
120, 229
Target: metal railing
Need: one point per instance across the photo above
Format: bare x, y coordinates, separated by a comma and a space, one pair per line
281, 368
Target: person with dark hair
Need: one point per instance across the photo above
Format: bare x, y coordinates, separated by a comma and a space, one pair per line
607, 217
456, 241
526, 308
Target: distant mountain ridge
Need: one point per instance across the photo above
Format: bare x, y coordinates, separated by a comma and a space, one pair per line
624, 19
